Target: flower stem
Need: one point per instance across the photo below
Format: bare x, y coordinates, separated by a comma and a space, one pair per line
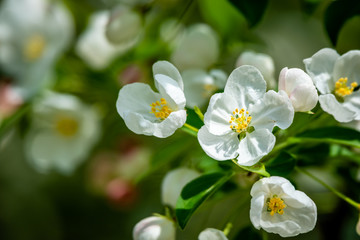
265, 235
190, 129
199, 113
336, 192
227, 228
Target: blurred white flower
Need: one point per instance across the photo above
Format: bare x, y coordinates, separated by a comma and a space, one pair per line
147, 112
198, 48
278, 208
337, 78
94, 47
173, 183
62, 133
199, 85
33, 34
299, 87
212, 234
124, 26
239, 122
154, 228
261, 61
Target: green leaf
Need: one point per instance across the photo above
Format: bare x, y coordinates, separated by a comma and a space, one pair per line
337, 13
196, 192
281, 165
337, 135
258, 168
252, 10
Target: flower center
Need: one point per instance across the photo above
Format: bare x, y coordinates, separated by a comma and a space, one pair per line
160, 109
208, 90
240, 120
67, 126
34, 47
342, 90
275, 205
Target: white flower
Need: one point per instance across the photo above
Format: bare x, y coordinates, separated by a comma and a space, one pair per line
94, 47
337, 78
199, 85
238, 122
62, 133
174, 182
147, 112
278, 208
199, 48
261, 61
124, 26
212, 234
33, 34
154, 228
299, 87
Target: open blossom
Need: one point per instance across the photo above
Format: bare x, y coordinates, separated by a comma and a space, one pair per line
239, 122
299, 87
62, 133
212, 234
261, 61
199, 85
173, 184
337, 78
150, 113
278, 208
198, 48
33, 35
154, 228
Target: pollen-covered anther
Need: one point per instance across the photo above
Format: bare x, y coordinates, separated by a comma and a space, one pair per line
275, 205
342, 90
160, 109
239, 120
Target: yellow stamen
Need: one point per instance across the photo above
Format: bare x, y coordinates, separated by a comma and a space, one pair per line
275, 205
67, 126
34, 47
208, 90
160, 109
240, 120
342, 90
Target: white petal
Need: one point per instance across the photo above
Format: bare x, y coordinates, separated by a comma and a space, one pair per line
136, 97
154, 228
220, 77
274, 109
304, 98
212, 234
139, 125
174, 182
256, 208
330, 105
195, 81
167, 69
219, 113
254, 146
352, 102
320, 68
246, 85
347, 65
170, 90
218, 147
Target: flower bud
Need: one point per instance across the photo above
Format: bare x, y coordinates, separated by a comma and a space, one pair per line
124, 26
154, 228
358, 227
261, 61
212, 234
299, 87
174, 182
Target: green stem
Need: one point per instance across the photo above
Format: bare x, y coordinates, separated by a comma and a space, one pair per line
190, 129
227, 228
336, 192
265, 235
199, 113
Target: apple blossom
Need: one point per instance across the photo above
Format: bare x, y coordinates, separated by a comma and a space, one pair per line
62, 132
239, 121
299, 87
278, 208
147, 112
337, 78
154, 228
212, 234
